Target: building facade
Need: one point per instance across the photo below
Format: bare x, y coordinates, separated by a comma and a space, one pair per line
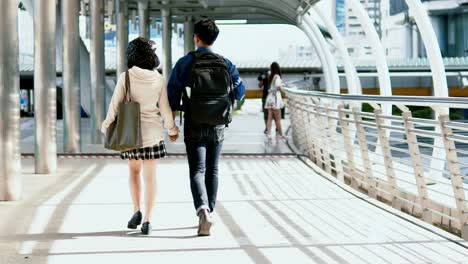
449, 19
358, 45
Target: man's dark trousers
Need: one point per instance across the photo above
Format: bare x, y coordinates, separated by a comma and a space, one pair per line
203, 145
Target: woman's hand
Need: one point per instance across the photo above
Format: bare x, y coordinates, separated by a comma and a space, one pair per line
174, 137
103, 129
174, 133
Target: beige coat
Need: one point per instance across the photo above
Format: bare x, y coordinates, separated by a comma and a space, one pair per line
149, 89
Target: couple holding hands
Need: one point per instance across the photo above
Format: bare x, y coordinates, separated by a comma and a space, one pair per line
204, 86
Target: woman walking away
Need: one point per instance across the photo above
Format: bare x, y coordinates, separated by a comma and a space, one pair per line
274, 102
148, 88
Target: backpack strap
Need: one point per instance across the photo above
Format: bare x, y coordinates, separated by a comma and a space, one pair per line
195, 56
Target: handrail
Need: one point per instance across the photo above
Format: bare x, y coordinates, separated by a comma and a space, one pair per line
431, 101
386, 156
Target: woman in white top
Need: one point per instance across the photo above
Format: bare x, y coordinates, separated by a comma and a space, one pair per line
148, 88
274, 102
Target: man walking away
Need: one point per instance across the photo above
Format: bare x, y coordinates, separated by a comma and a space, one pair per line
208, 84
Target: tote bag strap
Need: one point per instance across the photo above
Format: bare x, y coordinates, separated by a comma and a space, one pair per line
128, 98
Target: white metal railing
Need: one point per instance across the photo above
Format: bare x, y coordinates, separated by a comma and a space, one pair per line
389, 157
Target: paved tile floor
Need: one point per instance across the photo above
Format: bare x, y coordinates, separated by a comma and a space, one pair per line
270, 210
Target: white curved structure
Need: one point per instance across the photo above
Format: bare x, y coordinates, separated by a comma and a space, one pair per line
439, 77
330, 59
377, 50
320, 53
429, 39
353, 81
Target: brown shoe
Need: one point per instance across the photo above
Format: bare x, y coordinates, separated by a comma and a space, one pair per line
205, 223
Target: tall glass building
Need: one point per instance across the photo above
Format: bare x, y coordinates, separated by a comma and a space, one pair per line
340, 15
397, 6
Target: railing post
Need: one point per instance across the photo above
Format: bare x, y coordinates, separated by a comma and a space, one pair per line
300, 131
297, 117
311, 143
332, 132
348, 146
324, 139
455, 174
310, 146
366, 163
292, 117
387, 155
418, 170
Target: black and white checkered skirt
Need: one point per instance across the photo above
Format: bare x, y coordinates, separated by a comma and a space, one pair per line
155, 152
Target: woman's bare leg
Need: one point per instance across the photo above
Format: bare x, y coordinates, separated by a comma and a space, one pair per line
149, 175
269, 122
135, 183
277, 116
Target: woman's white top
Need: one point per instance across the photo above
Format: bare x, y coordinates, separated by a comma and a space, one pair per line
274, 100
149, 89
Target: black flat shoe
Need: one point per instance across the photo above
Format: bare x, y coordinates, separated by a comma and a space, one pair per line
146, 228
135, 221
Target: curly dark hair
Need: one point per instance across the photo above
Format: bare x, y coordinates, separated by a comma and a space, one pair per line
141, 53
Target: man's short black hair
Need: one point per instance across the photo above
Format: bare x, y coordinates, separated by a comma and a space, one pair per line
206, 30
141, 52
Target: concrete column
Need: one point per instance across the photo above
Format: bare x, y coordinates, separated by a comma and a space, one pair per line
59, 36
143, 18
45, 105
98, 75
167, 41
409, 41
414, 41
71, 76
189, 44
122, 35
10, 162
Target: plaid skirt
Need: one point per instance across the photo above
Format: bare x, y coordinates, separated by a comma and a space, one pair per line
155, 152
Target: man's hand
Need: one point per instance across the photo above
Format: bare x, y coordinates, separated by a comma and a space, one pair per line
260, 84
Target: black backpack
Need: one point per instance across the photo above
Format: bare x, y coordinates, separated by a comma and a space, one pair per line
211, 92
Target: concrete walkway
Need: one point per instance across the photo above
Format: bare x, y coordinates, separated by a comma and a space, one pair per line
244, 134
270, 210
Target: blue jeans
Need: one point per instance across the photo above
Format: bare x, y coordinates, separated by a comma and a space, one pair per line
203, 145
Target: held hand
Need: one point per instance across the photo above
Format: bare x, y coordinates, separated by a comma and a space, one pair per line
174, 137
174, 133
